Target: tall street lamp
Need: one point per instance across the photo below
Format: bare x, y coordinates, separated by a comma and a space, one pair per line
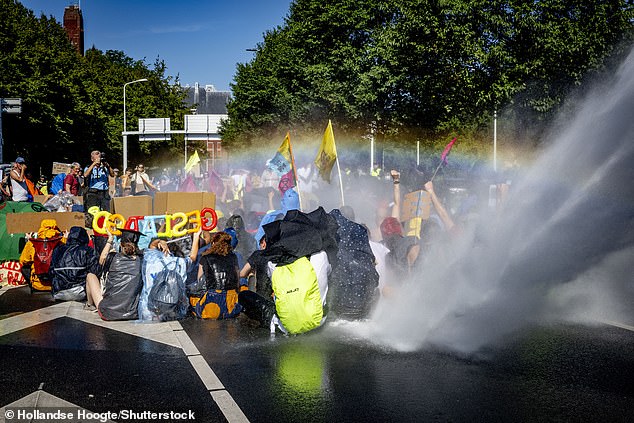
125, 129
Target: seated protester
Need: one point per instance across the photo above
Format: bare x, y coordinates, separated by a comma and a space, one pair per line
259, 305
72, 265
245, 241
35, 272
354, 279
164, 294
299, 249
403, 251
121, 272
244, 283
289, 201
195, 285
258, 265
220, 267
380, 252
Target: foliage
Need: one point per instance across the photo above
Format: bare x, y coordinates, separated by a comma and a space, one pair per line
420, 69
74, 104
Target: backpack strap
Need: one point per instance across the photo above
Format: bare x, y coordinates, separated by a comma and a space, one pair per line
166, 265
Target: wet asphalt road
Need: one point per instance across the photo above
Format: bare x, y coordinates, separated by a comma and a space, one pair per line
548, 373
559, 373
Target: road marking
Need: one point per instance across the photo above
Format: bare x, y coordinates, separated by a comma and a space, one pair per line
151, 330
186, 343
219, 394
205, 372
618, 325
228, 406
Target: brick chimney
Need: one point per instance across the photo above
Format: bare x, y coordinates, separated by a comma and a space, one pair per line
74, 26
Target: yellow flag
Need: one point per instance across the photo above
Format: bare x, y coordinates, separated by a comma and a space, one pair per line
327, 154
285, 148
193, 161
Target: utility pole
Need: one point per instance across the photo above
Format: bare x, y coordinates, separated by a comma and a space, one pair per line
495, 141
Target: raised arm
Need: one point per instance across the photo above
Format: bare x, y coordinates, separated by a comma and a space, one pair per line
396, 208
91, 167
194, 252
270, 195
148, 183
440, 209
18, 175
106, 249
246, 270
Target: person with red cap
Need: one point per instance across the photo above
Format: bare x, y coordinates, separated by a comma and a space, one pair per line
403, 249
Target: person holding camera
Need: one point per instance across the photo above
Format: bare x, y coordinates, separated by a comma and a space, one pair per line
97, 182
18, 181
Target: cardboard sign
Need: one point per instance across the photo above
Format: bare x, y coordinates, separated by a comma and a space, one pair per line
18, 223
40, 198
10, 273
416, 204
135, 205
60, 168
173, 202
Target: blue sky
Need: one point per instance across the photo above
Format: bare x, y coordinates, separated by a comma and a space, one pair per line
201, 41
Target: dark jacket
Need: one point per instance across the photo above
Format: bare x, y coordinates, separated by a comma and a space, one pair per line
71, 262
221, 272
300, 235
353, 283
123, 287
396, 260
260, 264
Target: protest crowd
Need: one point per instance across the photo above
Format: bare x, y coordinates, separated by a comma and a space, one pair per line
270, 253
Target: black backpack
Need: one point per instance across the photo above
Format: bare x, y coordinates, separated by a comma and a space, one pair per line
167, 299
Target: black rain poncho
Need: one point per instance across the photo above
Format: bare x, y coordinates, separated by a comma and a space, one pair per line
71, 262
300, 235
123, 287
353, 283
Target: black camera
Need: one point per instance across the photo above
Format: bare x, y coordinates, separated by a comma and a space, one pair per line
103, 160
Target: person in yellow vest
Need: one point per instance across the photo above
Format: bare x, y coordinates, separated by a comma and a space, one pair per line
299, 250
48, 230
299, 295
42, 185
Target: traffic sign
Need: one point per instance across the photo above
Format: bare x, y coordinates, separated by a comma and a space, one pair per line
11, 102
11, 105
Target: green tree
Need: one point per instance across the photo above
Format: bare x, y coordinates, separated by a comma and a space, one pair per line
39, 65
417, 69
74, 104
105, 75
